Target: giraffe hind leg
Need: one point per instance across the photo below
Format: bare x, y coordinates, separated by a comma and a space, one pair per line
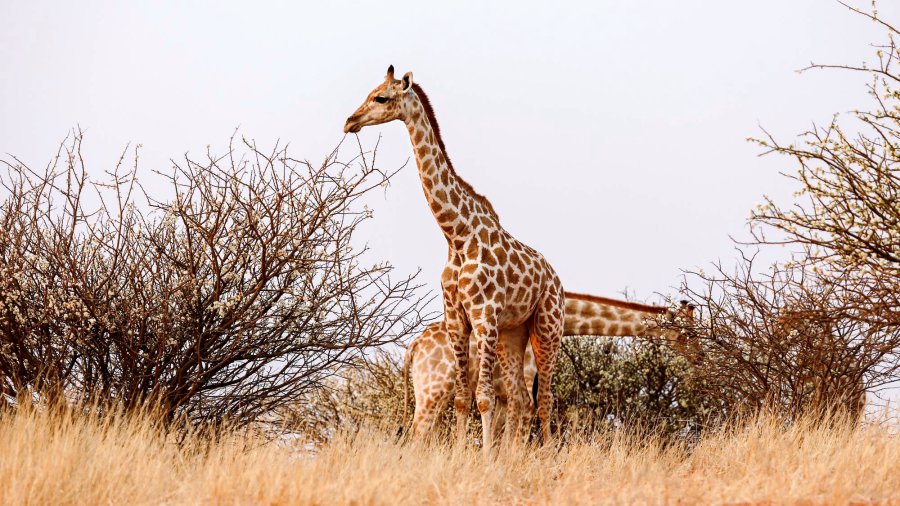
546, 337
512, 354
426, 419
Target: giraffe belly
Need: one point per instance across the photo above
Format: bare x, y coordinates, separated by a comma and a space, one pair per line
521, 297
514, 315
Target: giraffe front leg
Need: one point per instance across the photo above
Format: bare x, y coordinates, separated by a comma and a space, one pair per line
501, 397
463, 393
486, 335
458, 331
459, 337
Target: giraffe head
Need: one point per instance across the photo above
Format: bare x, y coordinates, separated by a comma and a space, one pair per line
387, 102
685, 312
682, 330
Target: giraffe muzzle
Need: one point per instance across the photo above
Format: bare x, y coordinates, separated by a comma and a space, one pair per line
351, 125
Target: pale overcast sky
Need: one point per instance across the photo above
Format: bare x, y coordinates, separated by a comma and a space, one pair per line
609, 135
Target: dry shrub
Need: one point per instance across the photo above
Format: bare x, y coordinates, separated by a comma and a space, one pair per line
784, 340
847, 210
367, 395
814, 334
235, 293
607, 382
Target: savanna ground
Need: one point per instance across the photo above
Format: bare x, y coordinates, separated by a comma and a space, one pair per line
55, 456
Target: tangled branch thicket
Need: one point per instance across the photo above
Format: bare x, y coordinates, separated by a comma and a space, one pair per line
848, 218
236, 294
816, 332
784, 340
367, 396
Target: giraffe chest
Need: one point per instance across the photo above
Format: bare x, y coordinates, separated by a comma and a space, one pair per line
491, 278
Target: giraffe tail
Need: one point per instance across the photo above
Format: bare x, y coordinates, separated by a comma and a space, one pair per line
407, 360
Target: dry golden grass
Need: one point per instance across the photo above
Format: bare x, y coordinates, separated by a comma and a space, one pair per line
55, 457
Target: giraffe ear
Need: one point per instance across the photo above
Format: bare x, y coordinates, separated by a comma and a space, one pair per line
407, 81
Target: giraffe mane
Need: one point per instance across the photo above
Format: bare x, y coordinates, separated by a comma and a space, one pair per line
618, 303
429, 111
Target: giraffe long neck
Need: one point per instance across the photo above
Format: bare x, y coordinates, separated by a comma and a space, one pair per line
597, 316
456, 207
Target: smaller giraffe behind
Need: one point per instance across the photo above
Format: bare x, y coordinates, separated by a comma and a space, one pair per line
431, 360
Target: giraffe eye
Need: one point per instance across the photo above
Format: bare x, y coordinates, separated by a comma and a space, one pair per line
381, 100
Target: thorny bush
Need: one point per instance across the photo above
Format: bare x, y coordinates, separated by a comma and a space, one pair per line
237, 292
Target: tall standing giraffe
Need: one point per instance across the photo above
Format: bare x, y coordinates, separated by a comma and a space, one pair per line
430, 361
501, 289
